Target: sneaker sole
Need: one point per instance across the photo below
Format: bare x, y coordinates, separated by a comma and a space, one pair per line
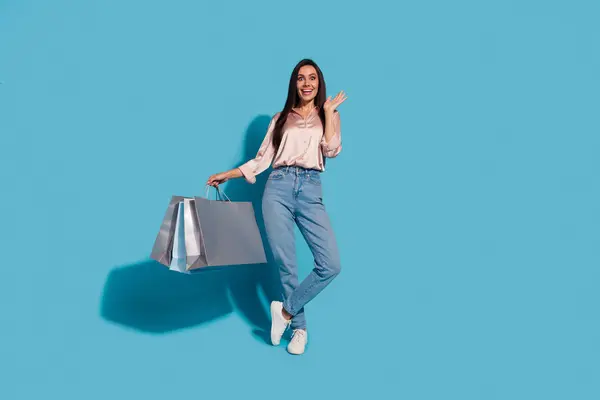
295, 354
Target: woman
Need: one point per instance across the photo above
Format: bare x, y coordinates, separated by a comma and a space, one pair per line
298, 140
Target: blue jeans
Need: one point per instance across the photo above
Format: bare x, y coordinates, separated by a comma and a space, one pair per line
294, 195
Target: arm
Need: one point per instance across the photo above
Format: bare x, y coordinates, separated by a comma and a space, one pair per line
263, 158
250, 169
331, 144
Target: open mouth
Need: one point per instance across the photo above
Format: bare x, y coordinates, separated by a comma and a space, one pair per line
307, 92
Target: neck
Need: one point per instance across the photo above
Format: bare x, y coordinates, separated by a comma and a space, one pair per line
304, 106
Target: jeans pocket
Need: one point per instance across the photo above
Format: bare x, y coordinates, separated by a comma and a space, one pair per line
314, 179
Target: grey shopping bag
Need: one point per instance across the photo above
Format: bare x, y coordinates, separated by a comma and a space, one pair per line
217, 233
178, 244
163, 245
229, 233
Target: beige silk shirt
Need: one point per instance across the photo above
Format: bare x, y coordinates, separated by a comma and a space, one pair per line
303, 145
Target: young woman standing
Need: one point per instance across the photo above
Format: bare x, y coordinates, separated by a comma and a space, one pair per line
298, 140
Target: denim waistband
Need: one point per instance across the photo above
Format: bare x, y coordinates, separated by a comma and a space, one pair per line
296, 169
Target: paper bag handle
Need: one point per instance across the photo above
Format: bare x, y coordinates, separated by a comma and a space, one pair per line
219, 192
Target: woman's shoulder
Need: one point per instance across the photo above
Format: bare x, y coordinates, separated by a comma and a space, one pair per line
275, 117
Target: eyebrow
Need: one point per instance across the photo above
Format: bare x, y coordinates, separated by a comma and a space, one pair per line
313, 74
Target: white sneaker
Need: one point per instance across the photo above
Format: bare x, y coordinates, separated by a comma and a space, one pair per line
278, 323
298, 342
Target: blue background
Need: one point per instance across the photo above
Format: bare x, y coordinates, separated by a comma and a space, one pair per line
465, 201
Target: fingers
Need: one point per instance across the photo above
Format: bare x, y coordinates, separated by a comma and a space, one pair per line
212, 181
337, 100
340, 98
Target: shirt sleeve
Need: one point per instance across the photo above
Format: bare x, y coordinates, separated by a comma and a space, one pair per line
334, 146
263, 158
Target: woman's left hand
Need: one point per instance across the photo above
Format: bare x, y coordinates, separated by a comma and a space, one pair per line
331, 105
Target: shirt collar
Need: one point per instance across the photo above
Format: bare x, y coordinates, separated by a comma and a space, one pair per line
315, 108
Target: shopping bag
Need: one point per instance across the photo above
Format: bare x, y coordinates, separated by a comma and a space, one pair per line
199, 232
229, 234
163, 244
193, 241
179, 259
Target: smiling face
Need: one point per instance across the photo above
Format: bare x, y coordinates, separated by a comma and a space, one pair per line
307, 83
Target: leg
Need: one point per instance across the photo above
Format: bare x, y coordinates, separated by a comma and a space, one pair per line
314, 224
279, 227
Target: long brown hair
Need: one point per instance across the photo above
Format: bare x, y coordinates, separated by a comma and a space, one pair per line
293, 100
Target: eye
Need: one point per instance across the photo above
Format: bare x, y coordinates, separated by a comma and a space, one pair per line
300, 78
312, 78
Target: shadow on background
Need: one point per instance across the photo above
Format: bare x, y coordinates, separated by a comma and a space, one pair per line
148, 297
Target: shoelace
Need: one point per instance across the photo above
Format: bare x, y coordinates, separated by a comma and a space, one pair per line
297, 334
